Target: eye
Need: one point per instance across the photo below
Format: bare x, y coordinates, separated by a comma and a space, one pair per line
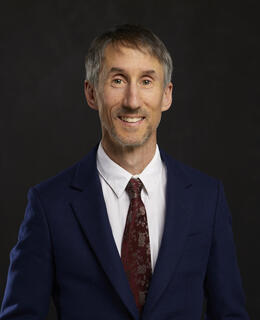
146, 83
117, 82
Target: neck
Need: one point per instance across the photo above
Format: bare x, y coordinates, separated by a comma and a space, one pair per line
132, 159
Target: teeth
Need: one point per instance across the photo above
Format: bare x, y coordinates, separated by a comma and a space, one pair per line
131, 119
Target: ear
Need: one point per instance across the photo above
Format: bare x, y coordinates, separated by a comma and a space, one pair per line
90, 95
167, 97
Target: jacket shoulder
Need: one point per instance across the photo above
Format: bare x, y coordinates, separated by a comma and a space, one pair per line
60, 183
192, 175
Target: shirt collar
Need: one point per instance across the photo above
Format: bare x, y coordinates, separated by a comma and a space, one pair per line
117, 177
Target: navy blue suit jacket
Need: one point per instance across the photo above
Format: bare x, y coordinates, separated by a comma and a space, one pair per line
66, 250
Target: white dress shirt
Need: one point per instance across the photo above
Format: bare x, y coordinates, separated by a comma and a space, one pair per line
114, 180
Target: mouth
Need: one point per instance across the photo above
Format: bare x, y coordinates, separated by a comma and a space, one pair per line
131, 121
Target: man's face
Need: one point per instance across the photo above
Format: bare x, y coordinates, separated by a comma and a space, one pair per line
130, 96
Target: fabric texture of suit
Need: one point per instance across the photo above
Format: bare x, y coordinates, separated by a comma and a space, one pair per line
66, 250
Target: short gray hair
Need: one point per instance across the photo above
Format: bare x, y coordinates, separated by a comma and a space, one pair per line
132, 36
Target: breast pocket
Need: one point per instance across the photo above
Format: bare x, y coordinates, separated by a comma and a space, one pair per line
195, 253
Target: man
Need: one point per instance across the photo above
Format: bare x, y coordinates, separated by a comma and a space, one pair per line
128, 232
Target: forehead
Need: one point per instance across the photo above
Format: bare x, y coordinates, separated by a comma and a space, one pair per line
128, 58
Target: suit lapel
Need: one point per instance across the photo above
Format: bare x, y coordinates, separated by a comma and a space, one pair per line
177, 221
90, 211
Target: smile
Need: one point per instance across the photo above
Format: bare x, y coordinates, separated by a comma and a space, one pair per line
131, 121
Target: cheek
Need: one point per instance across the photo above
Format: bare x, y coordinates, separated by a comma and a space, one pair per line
112, 97
156, 112
155, 105
156, 118
106, 107
153, 98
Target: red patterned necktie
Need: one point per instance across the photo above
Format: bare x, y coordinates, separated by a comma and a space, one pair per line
135, 250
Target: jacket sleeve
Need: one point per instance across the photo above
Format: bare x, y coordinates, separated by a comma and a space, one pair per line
30, 275
223, 286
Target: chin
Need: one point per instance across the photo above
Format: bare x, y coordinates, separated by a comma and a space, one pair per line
126, 142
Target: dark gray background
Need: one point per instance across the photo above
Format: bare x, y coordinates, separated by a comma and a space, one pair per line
213, 124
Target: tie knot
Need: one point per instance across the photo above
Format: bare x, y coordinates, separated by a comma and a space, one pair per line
134, 188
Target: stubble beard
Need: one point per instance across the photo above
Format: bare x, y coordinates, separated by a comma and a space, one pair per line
125, 142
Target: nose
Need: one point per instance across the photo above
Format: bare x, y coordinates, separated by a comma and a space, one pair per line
132, 97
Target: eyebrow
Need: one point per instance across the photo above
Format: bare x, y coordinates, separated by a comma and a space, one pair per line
115, 69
